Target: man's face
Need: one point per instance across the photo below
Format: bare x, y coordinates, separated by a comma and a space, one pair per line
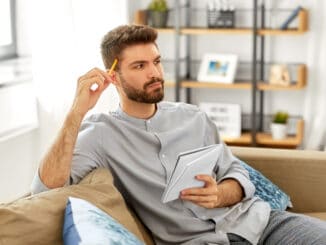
140, 75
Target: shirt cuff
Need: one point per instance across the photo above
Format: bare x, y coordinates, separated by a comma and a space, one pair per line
37, 184
248, 187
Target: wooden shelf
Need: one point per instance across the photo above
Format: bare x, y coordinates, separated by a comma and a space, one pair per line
243, 85
300, 84
201, 31
274, 32
196, 84
301, 29
169, 84
165, 30
265, 139
266, 86
233, 31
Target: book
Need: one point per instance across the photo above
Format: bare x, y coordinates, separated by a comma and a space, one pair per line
291, 17
188, 165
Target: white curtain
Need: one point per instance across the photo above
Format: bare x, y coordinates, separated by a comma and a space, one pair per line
66, 44
315, 107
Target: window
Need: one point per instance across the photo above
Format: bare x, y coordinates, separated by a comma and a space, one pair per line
7, 29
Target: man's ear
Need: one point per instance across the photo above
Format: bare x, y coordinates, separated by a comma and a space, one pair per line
115, 78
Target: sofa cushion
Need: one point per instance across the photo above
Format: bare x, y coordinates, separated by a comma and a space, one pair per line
300, 173
267, 190
38, 219
84, 223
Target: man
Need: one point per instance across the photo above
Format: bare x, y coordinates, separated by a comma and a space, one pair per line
140, 142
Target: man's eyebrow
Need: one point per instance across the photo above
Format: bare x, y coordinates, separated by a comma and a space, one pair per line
158, 57
137, 62
143, 61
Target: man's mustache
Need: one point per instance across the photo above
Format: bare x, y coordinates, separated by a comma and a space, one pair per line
153, 80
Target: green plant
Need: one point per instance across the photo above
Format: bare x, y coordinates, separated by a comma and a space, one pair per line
281, 117
158, 5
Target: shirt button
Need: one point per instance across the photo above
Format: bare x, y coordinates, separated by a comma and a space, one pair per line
149, 121
163, 155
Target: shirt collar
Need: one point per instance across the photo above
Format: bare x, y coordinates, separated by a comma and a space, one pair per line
137, 121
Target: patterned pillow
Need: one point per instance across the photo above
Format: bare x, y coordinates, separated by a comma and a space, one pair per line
267, 190
84, 223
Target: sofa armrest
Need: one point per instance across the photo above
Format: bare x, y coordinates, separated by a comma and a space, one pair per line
300, 173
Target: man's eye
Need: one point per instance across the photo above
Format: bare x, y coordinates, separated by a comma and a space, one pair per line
139, 66
157, 62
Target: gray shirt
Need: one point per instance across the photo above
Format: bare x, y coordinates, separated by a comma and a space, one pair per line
141, 155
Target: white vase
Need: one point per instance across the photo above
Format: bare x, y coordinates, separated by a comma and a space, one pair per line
278, 131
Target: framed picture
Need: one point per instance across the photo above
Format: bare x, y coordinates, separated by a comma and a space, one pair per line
227, 118
219, 68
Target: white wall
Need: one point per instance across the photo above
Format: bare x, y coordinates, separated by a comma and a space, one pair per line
17, 155
64, 39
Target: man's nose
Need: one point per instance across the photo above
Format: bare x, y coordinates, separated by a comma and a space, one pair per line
154, 71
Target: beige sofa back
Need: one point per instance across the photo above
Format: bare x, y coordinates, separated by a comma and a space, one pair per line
301, 174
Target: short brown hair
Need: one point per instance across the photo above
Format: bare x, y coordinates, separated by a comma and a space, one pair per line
116, 40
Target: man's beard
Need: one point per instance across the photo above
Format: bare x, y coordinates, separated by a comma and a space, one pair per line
141, 95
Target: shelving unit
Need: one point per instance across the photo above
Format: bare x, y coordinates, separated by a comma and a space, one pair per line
257, 85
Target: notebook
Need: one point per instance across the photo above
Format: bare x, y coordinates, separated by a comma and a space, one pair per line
188, 165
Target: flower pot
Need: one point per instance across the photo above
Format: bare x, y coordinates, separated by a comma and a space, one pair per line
278, 131
158, 18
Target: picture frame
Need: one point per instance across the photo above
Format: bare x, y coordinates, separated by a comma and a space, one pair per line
219, 68
226, 117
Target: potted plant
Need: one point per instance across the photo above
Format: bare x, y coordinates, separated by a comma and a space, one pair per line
158, 13
279, 125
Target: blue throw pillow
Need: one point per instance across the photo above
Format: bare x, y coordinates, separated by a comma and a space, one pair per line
267, 190
84, 223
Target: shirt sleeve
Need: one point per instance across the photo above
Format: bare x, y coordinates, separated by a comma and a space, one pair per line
37, 185
229, 167
88, 154
211, 133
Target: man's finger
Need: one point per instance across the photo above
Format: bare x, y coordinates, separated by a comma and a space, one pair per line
206, 178
197, 191
200, 199
107, 76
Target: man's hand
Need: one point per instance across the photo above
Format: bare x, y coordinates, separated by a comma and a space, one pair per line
213, 195
86, 95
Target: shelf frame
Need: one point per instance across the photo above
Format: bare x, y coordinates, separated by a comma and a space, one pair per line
257, 86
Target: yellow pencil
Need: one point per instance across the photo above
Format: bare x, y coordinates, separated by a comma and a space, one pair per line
115, 62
